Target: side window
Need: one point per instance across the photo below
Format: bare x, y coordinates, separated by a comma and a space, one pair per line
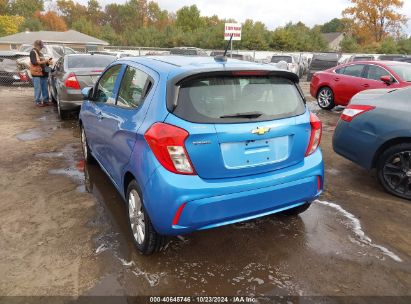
105, 86
340, 70
354, 70
134, 88
375, 72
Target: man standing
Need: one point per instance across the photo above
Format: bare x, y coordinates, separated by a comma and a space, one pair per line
39, 69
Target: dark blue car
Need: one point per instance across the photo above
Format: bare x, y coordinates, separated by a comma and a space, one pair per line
194, 143
375, 132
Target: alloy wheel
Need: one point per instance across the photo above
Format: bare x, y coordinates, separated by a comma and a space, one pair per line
325, 97
397, 173
136, 214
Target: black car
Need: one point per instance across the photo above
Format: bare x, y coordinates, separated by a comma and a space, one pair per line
321, 62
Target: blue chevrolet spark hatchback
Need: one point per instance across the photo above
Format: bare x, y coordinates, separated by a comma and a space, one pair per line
194, 143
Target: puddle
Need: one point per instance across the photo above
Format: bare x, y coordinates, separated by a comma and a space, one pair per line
360, 237
74, 161
33, 134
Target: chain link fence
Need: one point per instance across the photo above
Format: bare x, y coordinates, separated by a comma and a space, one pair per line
14, 65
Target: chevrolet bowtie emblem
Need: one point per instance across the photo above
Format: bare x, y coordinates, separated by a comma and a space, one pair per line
260, 131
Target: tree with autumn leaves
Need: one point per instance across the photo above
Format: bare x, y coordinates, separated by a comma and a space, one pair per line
374, 20
370, 25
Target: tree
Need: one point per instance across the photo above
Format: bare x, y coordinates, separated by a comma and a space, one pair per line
10, 24
334, 25
71, 11
31, 24
375, 19
4, 7
188, 18
254, 35
349, 44
25, 8
404, 45
156, 16
51, 21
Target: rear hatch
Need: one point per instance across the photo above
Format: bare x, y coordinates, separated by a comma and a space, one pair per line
241, 124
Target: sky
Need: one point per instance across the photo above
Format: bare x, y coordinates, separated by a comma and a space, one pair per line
273, 13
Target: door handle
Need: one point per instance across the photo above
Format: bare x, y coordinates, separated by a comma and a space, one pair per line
337, 79
366, 85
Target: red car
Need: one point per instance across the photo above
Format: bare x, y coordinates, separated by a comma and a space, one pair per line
336, 86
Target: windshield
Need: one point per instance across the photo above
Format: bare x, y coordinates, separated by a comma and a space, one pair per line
89, 61
26, 48
277, 59
228, 98
403, 70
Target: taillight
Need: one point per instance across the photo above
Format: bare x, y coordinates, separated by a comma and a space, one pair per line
72, 82
23, 76
352, 111
167, 143
315, 137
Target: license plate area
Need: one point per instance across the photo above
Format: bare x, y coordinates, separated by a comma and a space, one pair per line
255, 152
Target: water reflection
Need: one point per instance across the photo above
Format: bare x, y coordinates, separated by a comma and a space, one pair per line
245, 258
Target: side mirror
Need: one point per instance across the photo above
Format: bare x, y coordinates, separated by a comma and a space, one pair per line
87, 93
387, 79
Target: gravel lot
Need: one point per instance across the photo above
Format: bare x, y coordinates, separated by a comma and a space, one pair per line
63, 228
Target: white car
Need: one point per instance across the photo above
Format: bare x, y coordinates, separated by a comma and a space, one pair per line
292, 63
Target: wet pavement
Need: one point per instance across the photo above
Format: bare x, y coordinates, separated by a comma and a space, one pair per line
66, 221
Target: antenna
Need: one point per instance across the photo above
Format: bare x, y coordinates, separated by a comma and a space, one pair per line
229, 42
223, 58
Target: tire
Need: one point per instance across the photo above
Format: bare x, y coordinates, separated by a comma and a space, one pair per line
61, 113
325, 98
296, 210
53, 100
145, 238
394, 170
85, 147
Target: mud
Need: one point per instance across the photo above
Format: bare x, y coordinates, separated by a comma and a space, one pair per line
64, 232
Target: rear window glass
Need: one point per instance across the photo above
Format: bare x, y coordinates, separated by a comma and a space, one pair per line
89, 61
276, 59
212, 99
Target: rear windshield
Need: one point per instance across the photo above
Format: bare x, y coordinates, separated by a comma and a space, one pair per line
89, 61
219, 99
276, 59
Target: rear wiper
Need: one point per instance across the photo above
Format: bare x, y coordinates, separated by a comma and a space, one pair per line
243, 115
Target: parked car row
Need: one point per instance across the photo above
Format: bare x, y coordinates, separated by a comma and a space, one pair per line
368, 57
374, 130
153, 124
336, 86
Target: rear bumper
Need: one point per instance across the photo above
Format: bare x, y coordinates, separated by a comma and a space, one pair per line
72, 105
217, 202
355, 144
